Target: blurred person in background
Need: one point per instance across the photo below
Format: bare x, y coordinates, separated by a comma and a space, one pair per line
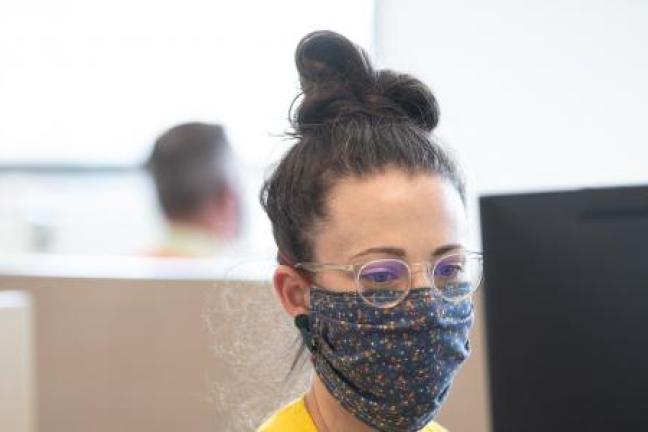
191, 165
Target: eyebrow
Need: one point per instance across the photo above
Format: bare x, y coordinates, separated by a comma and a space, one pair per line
390, 250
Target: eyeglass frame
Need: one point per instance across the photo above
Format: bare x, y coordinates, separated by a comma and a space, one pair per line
356, 269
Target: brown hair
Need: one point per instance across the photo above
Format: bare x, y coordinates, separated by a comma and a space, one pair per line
188, 165
351, 120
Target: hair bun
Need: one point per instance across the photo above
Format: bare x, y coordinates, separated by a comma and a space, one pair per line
338, 80
412, 96
326, 57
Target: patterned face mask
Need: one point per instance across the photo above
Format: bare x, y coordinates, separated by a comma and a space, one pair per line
391, 368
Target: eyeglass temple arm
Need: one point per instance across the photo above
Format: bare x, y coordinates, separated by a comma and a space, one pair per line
317, 267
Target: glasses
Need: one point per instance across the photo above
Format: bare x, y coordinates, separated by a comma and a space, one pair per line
384, 283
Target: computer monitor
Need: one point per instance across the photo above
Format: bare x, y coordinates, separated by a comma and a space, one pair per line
566, 296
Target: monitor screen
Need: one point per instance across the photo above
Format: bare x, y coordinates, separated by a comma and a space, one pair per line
566, 295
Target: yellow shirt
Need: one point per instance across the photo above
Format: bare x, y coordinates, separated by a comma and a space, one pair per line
294, 417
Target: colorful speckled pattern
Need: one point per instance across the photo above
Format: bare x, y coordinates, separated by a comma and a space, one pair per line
391, 367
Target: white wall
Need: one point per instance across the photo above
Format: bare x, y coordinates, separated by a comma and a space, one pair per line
94, 84
534, 95
86, 82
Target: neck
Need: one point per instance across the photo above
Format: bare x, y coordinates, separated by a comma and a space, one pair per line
220, 218
328, 415
194, 224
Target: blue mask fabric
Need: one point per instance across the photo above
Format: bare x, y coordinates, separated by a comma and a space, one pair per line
392, 367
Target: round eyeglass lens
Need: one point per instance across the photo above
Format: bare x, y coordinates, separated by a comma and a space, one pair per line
384, 283
457, 276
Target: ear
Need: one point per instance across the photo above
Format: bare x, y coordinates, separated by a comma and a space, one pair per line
292, 289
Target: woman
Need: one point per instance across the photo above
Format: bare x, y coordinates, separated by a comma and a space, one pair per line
368, 214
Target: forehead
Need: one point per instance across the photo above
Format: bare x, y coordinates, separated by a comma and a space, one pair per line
415, 212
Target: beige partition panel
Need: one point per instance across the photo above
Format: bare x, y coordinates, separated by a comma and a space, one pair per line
150, 355
17, 411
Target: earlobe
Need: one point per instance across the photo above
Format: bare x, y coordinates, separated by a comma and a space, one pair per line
292, 289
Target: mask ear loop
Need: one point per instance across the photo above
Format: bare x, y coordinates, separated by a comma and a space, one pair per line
301, 321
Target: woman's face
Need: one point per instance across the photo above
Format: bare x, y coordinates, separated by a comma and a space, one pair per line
391, 214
